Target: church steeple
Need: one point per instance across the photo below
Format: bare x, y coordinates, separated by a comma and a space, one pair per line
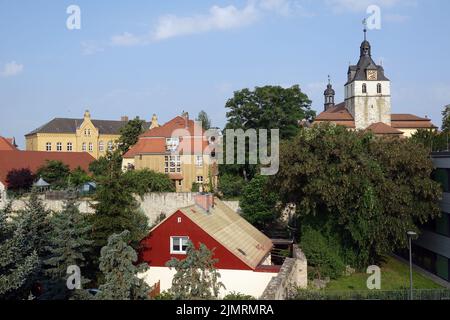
329, 95
365, 45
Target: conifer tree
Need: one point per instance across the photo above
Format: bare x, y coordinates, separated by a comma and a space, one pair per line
68, 246
116, 209
196, 277
35, 222
17, 264
117, 262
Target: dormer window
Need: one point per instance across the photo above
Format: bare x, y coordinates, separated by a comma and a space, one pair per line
379, 88
364, 88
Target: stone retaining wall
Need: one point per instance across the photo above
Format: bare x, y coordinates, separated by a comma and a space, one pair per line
293, 275
152, 204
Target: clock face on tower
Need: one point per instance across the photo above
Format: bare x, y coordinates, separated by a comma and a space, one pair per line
371, 75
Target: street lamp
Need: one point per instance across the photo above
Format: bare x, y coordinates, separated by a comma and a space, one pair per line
411, 234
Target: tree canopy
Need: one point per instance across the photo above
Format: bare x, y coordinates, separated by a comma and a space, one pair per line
129, 134
258, 202
370, 191
196, 277
54, 172
204, 118
20, 179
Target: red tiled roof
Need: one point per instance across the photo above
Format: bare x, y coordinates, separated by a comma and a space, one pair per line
153, 141
337, 113
147, 145
168, 128
176, 176
382, 128
7, 144
33, 160
407, 117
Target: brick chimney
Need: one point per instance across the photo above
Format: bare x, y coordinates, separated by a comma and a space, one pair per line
204, 201
124, 118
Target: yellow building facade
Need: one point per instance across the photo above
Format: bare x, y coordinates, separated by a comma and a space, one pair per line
95, 137
158, 150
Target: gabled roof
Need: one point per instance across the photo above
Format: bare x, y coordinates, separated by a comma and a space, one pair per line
153, 141
7, 144
407, 121
232, 231
167, 129
382, 128
33, 160
338, 115
66, 125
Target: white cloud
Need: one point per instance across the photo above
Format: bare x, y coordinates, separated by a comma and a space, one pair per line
127, 39
218, 18
90, 47
11, 69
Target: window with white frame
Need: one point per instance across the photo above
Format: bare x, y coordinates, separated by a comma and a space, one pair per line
199, 179
91, 147
58, 146
199, 161
172, 164
48, 146
178, 245
69, 146
101, 146
83, 147
110, 146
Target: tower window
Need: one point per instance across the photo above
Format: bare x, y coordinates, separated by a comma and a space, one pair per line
379, 89
364, 88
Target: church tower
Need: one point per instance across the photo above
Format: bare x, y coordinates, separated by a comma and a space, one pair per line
368, 90
329, 95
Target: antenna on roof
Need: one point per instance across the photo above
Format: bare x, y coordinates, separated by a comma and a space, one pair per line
329, 79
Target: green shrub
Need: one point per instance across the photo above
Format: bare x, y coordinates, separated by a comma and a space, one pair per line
231, 186
238, 296
321, 256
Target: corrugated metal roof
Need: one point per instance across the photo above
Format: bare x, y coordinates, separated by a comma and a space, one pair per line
232, 231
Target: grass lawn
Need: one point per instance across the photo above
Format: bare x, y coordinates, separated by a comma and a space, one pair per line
394, 276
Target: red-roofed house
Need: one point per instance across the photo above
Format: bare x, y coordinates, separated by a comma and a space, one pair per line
367, 103
7, 144
179, 148
33, 160
242, 251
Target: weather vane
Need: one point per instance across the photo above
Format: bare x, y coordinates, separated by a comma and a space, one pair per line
364, 22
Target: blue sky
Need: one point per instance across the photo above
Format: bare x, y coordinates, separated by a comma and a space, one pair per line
137, 58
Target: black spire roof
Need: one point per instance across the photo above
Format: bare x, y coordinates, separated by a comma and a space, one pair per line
358, 72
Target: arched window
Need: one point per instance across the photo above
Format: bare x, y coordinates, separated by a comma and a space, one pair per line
364, 88
379, 89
